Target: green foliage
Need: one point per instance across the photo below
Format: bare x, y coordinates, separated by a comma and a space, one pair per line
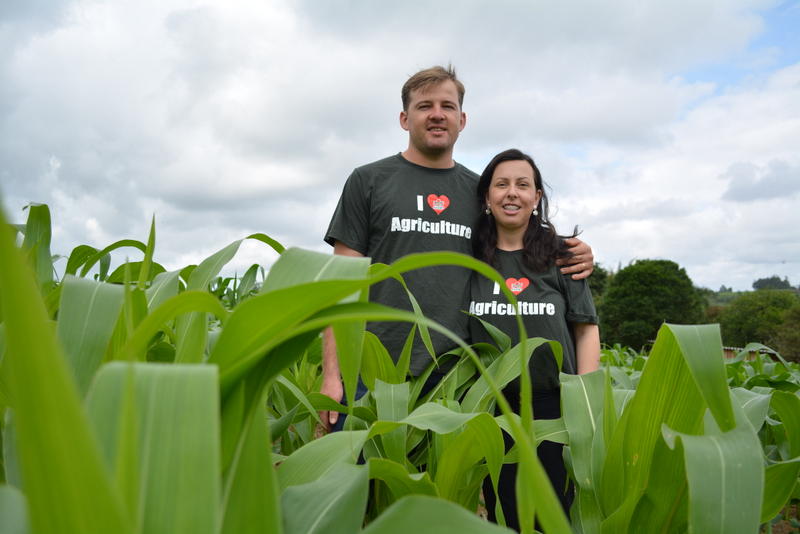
144, 444
757, 316
598, 282
772, 282
108, 440
723, 297
644, 295
787, 334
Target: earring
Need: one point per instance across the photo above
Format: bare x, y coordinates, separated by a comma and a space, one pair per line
535, 212
487, 210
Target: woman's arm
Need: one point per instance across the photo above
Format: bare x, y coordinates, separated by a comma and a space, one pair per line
587, 347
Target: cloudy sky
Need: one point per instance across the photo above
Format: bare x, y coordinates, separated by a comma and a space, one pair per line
666, 129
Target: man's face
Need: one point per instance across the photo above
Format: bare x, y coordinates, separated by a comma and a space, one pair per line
433, 119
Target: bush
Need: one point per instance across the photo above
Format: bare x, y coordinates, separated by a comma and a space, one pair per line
787, 336
756, 316
773, 282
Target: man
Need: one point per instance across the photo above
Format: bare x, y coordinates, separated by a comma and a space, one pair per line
418, 201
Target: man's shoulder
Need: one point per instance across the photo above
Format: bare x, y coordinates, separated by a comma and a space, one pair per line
396, 164
387, 163
467, 172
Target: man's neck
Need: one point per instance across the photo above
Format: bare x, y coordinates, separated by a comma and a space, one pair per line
433, 161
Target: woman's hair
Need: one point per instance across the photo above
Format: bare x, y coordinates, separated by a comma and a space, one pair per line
541, 244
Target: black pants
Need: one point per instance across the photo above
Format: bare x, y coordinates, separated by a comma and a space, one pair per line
546, 405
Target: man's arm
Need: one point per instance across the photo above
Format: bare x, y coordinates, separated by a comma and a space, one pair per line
331, 377
581, 264
587, 347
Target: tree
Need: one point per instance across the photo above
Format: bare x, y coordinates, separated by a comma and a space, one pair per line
644, 295
598, 282
756, 316
787, 335
773, 282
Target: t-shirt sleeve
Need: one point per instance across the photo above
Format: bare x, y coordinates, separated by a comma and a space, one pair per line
350, 221
580, 304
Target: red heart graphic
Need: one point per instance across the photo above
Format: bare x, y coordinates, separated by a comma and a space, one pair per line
517, 286
438, 203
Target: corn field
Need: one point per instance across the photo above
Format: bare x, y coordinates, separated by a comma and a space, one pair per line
137, 400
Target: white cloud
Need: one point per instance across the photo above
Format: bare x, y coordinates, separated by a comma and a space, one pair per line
749, 182
674, 200
229, 119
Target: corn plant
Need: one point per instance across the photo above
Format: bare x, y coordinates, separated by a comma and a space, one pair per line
100, 437
689, 448
141, 400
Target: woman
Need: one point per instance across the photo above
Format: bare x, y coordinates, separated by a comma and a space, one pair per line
515, 236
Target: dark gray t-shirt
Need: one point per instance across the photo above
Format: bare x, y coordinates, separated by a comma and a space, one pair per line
549, 303
391, 208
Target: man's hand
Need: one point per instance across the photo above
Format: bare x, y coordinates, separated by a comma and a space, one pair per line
331, 387
331, 378
581, 264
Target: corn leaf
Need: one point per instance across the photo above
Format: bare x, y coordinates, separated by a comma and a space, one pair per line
462, 372
11, 468
582, 406
377, 364
301, 398
667, 393
546, 429
186, 302
136, 267
754, 405
66, 483
37, 242
701, 347
164, 286
504, 369
254, 328
250, 499
191, 330
280, 425
320, 456
86, 319
610, 414
399, 481
13, 511
391, 401
334, 502
248, 282
267, 240
78, 257
297, 266
104, 255
780, 479
177, 417
404, 361
427, 515
147, 262
787, 406
725, 476
480, 439
424, 334
499, 337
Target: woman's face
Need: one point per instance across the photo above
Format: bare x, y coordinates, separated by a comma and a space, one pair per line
512, 195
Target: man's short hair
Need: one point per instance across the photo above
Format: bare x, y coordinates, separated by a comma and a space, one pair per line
428, 78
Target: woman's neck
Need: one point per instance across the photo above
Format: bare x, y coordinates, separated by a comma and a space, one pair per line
510, 241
